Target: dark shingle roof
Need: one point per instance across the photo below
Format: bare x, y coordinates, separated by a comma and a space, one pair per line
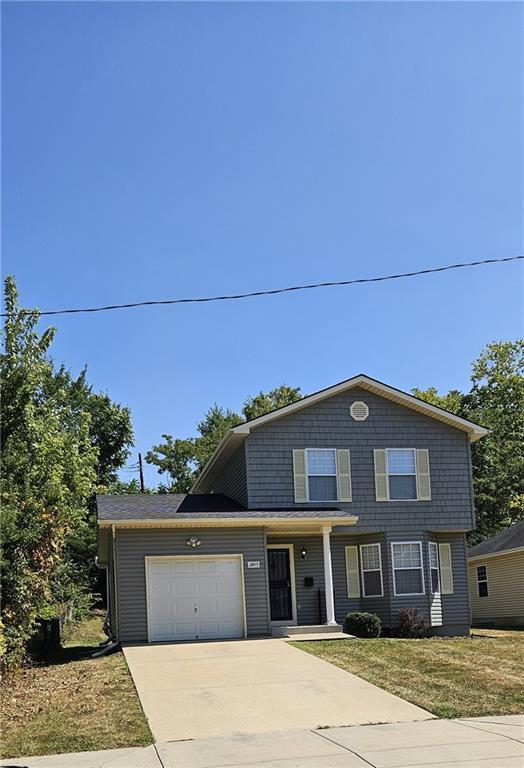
169, 506
511, 538
162, 506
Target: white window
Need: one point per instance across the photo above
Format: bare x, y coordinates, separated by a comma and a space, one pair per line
371, 566
434, 568
322, 474
408, 577
482, 580
402, 473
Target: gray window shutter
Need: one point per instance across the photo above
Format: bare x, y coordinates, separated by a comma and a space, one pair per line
446, 570
423, 480
344, 475
300, 475
381, 476
352, 575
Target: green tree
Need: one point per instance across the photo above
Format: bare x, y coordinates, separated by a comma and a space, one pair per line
265, 402
110, 426
496, 401
452, 401
111, 435
48, 470
181, 459
129, 487
175, 458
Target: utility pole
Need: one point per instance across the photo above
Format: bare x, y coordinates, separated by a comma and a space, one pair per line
141, 470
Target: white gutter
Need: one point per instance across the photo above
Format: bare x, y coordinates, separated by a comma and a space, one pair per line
232, 522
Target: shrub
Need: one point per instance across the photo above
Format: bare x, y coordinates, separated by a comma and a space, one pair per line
362, 624
411, 623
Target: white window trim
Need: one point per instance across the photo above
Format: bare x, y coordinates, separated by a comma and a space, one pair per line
322, 501
431, 568
404, 474
405, 568
482, 581
372, 570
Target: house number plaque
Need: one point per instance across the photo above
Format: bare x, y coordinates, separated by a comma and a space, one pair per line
253, 563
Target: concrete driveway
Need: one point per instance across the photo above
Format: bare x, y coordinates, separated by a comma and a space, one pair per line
202, 690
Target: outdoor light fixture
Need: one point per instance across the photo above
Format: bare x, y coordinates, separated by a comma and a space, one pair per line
303, 553
193, 542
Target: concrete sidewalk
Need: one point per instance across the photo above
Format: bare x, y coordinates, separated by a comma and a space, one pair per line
485, 742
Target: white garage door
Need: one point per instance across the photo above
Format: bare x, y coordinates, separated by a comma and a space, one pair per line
194, 598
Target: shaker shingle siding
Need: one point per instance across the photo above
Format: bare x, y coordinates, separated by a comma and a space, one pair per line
232, 481
328, 424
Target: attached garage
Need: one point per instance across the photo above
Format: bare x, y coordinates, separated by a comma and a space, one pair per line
195, 598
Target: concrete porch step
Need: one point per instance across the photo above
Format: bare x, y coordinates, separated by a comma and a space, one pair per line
313, 629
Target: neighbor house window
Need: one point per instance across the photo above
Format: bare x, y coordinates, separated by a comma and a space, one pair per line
402, 473
482, 580
322, 474
434, 567
408, 578
371, 565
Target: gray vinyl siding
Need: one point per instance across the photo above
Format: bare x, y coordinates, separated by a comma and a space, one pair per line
327, 424
453, 609
232, 481
345, 604
456, 607
134, 545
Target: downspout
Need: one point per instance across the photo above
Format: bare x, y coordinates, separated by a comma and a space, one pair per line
115, 593
114, 644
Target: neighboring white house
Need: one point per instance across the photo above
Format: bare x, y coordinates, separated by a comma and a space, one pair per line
496, 578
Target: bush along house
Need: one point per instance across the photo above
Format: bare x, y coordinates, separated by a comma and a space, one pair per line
356, 498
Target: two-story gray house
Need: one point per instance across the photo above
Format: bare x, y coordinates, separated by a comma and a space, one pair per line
357, 497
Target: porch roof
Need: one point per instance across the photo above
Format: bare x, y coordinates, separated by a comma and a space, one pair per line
208, 510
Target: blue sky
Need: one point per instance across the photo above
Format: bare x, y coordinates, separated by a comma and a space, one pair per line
156, 150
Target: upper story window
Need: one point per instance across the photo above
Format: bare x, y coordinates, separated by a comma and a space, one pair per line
322, 474
402, 473
482, 580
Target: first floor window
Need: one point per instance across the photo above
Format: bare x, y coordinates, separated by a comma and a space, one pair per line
402, 474
322, 474
434, 567
371, 565
408, 578
482, 580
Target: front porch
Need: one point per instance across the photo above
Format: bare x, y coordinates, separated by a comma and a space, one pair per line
300, 584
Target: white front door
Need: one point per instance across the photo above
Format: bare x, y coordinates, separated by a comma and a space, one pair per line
194, 598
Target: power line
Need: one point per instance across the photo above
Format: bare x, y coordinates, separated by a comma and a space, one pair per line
273, 292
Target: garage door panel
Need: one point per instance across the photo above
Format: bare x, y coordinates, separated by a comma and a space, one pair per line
195, 599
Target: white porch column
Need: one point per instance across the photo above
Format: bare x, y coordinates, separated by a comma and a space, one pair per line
328, 577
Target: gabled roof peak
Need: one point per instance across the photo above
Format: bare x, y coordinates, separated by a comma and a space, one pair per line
235, 435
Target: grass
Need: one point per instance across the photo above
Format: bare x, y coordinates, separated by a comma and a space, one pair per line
72, 703
450, 677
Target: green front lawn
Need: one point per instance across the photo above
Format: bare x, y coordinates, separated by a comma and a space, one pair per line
450, 677
72, 703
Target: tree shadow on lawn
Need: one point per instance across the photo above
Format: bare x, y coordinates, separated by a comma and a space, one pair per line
68, 654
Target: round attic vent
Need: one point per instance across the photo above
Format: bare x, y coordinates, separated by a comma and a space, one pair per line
359, 410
